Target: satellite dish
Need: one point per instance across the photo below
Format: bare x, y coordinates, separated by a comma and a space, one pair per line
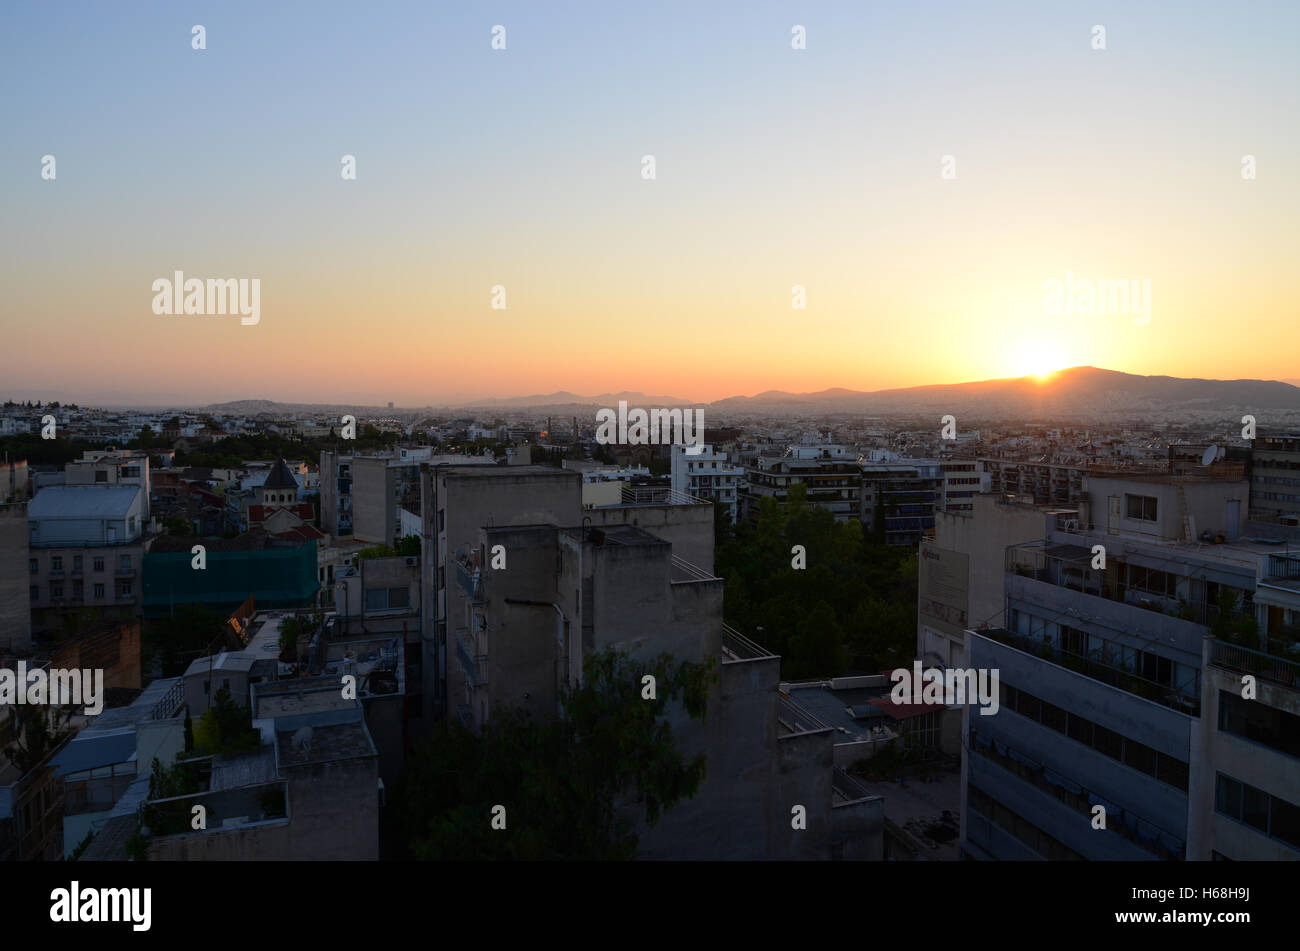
1211, 453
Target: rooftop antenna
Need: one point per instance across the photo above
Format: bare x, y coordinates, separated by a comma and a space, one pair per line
1211, 453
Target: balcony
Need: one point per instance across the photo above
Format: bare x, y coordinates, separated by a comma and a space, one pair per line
120, 572
475, 665
1184, 697
1269, 667
1137, 829
469, 577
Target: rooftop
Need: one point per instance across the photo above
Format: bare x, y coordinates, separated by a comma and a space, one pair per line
327, 743
83, 501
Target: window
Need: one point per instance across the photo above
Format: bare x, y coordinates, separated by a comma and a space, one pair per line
56, 562
1141, 507
99, 563
1080, 730
1262, 724
77, 591
399, 597
76, 562
124, 563
1140, 757
376, 599
33, 566
101, 476
34, 592
99, 592
124, 589
1107, 741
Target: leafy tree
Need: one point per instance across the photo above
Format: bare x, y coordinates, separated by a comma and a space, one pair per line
575, 787
225, 728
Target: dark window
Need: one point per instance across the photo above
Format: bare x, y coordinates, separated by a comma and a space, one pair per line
1171, 771
399, 597
1029, 706
1141, 507
1285, 823
1108, 742
1054, 717
1263, 724
1080, 730
1140, 757
1227, 797
1254, 807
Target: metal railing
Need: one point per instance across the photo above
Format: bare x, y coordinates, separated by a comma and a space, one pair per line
165, 708
798, 720
1185, 697
740, 647
1138, 830
1268, 667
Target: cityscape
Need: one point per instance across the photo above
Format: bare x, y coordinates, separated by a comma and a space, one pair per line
650, 435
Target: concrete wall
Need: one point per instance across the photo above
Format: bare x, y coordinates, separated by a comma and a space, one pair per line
1247, 762
688, 528
333, 816
373, 508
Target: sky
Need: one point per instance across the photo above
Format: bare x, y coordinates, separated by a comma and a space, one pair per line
522, 168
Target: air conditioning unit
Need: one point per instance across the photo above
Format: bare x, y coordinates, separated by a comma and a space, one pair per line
349, 561
412, 560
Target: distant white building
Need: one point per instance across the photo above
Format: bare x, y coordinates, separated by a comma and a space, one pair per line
707, 474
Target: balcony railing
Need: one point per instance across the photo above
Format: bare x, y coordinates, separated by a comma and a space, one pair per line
1141, 832
1264, 666
736, 646
1184, 697
470, 580
475, 665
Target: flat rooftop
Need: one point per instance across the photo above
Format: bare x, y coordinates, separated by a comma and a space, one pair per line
328, 743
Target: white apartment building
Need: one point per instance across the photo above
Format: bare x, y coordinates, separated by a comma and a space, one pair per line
707, 474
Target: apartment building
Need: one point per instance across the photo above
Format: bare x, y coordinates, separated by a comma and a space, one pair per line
1106, 665
15, 599
456, 502
831, 475
87, 545
13, 479
568, 592
707, 474
112, 467
1275, 478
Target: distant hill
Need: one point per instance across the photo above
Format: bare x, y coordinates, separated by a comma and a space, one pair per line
1079, 391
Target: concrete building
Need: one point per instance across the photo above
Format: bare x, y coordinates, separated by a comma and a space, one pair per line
112, 467
833, 480
1275, 478
456, 502
87, 547
566, 593
707, 474
1107, 663
13, 480
961, 570
114, 750
15, 570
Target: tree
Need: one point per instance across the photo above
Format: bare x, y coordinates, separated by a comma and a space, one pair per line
225, 728
576, 787
40, 731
